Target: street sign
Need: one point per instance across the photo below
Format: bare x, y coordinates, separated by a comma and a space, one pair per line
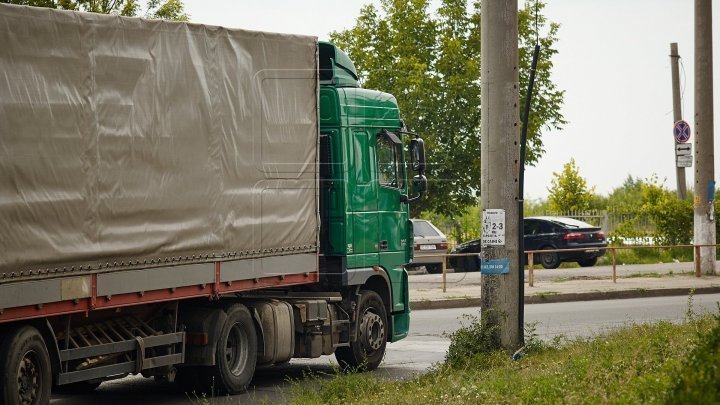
497, 266
683, 149
684, 161
493, 227
681, 130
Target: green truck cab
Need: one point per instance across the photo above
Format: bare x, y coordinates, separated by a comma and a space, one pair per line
364, 187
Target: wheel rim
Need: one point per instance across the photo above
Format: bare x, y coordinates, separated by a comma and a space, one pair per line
236, 353
548, 259
372, 331
28, 378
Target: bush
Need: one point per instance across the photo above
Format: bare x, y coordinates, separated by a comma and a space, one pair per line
473, 340
698, 381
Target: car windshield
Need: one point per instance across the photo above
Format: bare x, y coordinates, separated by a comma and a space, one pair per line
572, 223
422, 229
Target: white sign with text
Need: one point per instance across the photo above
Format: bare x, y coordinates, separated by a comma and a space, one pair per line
493, 227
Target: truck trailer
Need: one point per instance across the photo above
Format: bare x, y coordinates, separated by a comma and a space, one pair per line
192, 202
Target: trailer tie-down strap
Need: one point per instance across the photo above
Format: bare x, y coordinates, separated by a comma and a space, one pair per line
140, 357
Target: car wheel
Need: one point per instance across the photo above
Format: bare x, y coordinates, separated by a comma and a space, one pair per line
433, 268
550, 260
588, 262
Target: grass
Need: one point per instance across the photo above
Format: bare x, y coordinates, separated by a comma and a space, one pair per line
649, 363
544, 294
648, 256
644, 275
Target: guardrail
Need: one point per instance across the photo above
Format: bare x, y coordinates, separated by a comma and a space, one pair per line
613, 252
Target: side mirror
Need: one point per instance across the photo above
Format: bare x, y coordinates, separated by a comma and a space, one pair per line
417, 156
420, 183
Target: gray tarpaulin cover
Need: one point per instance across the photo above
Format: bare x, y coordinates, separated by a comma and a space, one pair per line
125, 141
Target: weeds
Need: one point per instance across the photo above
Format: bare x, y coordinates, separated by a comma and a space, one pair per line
644, 275
480, 336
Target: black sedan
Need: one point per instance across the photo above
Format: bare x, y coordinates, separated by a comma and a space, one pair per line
547, 233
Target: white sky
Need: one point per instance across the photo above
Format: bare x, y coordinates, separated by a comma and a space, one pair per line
613, 63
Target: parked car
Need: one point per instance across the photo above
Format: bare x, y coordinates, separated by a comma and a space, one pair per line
547, 233
429, 243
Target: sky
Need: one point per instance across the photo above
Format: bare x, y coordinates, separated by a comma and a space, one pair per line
613, 64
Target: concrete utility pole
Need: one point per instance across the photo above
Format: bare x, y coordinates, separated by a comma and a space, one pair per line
500, 152
704, 230
677, 114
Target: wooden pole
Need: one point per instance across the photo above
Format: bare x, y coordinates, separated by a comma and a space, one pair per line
531, 276
444, 272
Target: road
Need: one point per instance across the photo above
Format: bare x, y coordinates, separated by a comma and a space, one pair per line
426, 345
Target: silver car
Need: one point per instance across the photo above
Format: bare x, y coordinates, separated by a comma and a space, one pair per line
430, 243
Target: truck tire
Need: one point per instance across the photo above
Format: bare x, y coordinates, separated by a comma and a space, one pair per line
236, 353
27, 378
368, 350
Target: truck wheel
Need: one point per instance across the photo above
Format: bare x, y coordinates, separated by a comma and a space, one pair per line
368, 350
27, 379
236, 353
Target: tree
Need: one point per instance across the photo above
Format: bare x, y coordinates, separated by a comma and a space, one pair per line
167, 10
569, 191
431, 63
673, 218
628, 196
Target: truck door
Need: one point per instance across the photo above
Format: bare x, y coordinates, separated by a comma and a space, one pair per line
363, 198
391, 186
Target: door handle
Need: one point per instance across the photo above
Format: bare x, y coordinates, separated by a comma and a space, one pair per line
383, 244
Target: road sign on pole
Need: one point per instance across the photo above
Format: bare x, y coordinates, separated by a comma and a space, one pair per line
683, 161
683, 149
681, 130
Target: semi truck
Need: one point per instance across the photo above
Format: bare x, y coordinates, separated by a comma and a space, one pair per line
192, 202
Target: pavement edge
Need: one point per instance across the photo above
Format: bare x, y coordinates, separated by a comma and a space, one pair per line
465, 302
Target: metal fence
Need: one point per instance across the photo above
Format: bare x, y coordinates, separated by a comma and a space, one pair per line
613, 252
609, 220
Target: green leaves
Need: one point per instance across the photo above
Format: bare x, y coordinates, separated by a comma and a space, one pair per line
167, 10
569, 190
431, 63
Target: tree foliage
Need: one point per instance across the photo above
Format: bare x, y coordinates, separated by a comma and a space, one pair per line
569, 191
166, 10
431, 63
628, 196
673, 217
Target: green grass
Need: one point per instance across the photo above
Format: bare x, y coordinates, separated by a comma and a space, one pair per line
644, 275
656, 363
647, 256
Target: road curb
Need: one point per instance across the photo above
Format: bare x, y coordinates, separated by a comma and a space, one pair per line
569, 297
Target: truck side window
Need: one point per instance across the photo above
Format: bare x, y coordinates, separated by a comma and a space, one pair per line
387, 162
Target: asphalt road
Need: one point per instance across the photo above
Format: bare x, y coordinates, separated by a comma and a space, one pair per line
426, 345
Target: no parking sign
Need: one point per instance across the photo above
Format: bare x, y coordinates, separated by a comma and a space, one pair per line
681, 130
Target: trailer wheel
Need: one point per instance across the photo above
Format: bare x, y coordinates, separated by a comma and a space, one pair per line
236, 354
368, 350
27, 379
